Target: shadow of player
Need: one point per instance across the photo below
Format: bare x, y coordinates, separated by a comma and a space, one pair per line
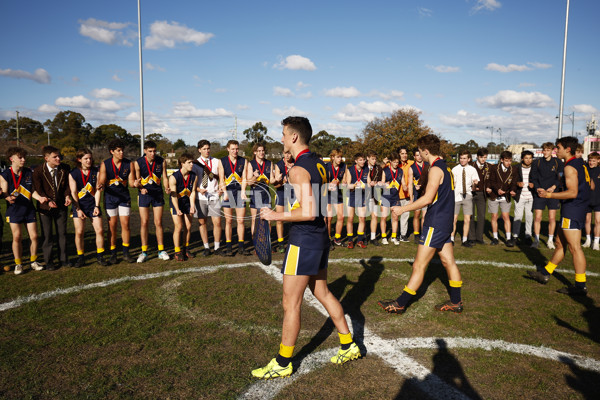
591, 315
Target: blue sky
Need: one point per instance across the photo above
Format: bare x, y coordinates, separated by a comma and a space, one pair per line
465, 64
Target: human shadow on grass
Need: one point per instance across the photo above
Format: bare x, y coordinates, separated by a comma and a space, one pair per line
351, 302
445, 367
591, 315
538, 260
583, 381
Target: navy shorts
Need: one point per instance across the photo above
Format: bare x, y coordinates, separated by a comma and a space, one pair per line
595, 208
357, 200
299, 261
279, 200
235, 199
568, 223
184, 206
540, 203
390, 202
20, 215
88, 210
260, 197
434, 237
151, 199
113, 202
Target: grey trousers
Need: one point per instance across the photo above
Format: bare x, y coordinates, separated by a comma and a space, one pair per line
477, 222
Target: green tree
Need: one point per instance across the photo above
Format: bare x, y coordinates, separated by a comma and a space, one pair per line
68, 128
31, 132
179, 144
322, 143
472, 146
257, 134
105, 133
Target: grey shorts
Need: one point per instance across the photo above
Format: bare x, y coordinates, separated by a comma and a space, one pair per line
205, 208
466, 204
502, 203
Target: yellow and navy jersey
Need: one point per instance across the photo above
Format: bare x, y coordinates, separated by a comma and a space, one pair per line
393, 182
440, 213
117, 179
23, 188
183, 188
312, 234
284, 172
86, 184
595, 177
264, 172
335, 173
418, 171
151, 178
358, 177
233, 172
576, 208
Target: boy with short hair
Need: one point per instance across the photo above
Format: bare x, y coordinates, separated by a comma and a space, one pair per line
374, 194
501, 187
182, 201
115, 177
16, 186
405, 165
259, 175
336, 172
479, 197
356, 180
280, 183
465, 178
392, 181
523, 197
151, 171
593, 211
208, 192
417, 170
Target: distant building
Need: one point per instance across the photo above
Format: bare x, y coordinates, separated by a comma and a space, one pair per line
591, 142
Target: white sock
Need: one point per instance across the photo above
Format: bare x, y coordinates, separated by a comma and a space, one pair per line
550, 238
206, 246
217, 245
373, 235
588, 237
508, 234
596, 239
537, 237
495, 235
465, 238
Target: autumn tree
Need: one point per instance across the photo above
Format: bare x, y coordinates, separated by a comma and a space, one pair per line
322, 143
402, 128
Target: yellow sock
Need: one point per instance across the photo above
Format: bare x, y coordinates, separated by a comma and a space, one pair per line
100, 250
393, 235
177, 249
112, 247
280, 240
228, 241
125, 244
33, 258
17, 261
455, 283
144, 248
384, 235
337, 236
161, 247
360, 233
416, 233
409, 291
580, 278
349, 234
345, 338
550, 267
79, 252
286, 351
187, 244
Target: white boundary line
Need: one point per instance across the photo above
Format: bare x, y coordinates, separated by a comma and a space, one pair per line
391, 351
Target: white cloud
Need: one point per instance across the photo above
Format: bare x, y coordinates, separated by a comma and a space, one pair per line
75, 101
425, 12
105, 93
40, 75
392, 94
221, 90
115, 77
488, 5
242, 107
187, 109
107, 105
584, 109
443, 68
287, 111
511, 98
345, 92
306, 95
153, 67
516, 68
365, 111
301, 85
281, 91
47, 108
106, 32
296, 62
164, 34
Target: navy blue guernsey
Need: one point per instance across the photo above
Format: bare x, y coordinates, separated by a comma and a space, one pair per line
595, 176
356, 176
86, 186
335, 173
183, 188
417, 172
264, 172
21, 187
312, 234
151, 174
284, 172
440, 213
117, 179
233, 172
393, 182
576, 208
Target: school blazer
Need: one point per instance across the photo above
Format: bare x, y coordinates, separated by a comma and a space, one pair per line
42, 183
499, 179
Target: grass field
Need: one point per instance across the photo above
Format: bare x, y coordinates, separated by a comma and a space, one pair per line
164, 329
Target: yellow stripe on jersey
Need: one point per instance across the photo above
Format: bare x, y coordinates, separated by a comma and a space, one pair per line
262, 178
88, 188
116, 181
22, 191
233, 177
394, 184
291, 261
566, 223
185, 192
429, 236
150, 179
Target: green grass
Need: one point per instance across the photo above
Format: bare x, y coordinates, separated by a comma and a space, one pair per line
198, 335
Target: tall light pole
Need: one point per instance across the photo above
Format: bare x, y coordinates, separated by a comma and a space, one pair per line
142, 134
572, 118
18, 129
562, 84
